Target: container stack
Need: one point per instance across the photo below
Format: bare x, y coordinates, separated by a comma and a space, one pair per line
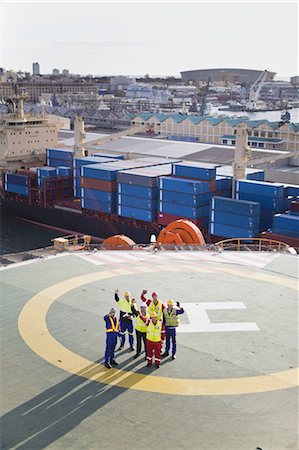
101, 193
44, 173
59, 157
138, 192
63, 171
223, 186
187, 193
78, 163
17, 184
271, 196
286, 224
231, 218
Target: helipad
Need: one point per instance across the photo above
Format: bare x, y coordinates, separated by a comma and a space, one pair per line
233, 384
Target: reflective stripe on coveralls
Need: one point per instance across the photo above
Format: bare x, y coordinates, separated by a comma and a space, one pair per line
114, 326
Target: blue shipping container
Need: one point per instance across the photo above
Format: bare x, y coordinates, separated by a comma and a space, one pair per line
182, 199
286, 222
185, 186
137, 191
103, 172
79, 162
96, 205
276, 204
227, 231
63, 171
139, 214
285, 232
53, 162
291, 190
59, 153
14, 178
198, 171
260, 188
16, 189
138, 202
232, 206
102, 196
235, 220
189, 212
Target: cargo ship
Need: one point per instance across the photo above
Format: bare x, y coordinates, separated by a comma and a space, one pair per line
105, 195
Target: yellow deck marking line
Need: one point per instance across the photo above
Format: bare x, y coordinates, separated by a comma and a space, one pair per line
33, 329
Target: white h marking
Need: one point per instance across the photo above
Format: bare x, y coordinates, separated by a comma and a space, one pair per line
200, 322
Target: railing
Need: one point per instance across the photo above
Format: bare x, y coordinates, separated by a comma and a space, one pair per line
72, 242
252, 244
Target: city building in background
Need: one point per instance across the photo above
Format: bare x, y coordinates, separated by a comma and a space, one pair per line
245, 77
35, 68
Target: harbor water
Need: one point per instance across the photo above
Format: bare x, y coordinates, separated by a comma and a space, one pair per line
17, 235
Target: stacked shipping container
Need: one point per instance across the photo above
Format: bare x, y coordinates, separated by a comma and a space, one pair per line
234, 218
16, 183
273, 198
138, 192
78, 163
59, 157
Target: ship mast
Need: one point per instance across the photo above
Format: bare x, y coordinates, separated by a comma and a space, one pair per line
242, 152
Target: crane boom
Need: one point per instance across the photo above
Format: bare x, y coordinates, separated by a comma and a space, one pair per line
255, 89
274, 158
80, 143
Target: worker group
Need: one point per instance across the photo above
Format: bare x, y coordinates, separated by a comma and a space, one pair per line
154, 324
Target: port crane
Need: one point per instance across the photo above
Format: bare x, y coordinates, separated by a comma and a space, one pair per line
254, 91
80, 135
203, 106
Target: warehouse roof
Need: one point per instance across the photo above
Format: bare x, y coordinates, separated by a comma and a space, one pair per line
195, 119
254, 138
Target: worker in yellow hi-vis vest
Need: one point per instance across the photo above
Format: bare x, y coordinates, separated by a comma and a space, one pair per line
125, 318
153, 339
140, 327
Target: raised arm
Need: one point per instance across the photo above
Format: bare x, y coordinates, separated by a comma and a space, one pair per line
143, 298
179, 309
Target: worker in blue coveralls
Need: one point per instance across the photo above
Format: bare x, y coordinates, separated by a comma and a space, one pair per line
125, 318
112, 328
171, 322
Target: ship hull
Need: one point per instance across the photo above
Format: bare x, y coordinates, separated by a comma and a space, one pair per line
76, 222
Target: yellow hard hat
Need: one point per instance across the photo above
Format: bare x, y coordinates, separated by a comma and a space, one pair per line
170, 303
127, 294
154, 314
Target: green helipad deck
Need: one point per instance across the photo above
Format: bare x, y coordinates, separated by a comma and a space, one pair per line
233, 385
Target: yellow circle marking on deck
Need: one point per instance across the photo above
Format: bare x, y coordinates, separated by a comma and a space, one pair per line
33, 329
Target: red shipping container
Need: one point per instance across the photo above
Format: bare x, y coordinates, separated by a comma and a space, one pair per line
99, 185
290, 240
294, 206
29, 173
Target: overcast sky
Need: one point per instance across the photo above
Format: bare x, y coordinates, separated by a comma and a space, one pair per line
159, 38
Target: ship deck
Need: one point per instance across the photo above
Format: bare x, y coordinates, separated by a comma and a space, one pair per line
233, 384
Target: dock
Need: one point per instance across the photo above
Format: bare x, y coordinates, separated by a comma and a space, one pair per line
233, 386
